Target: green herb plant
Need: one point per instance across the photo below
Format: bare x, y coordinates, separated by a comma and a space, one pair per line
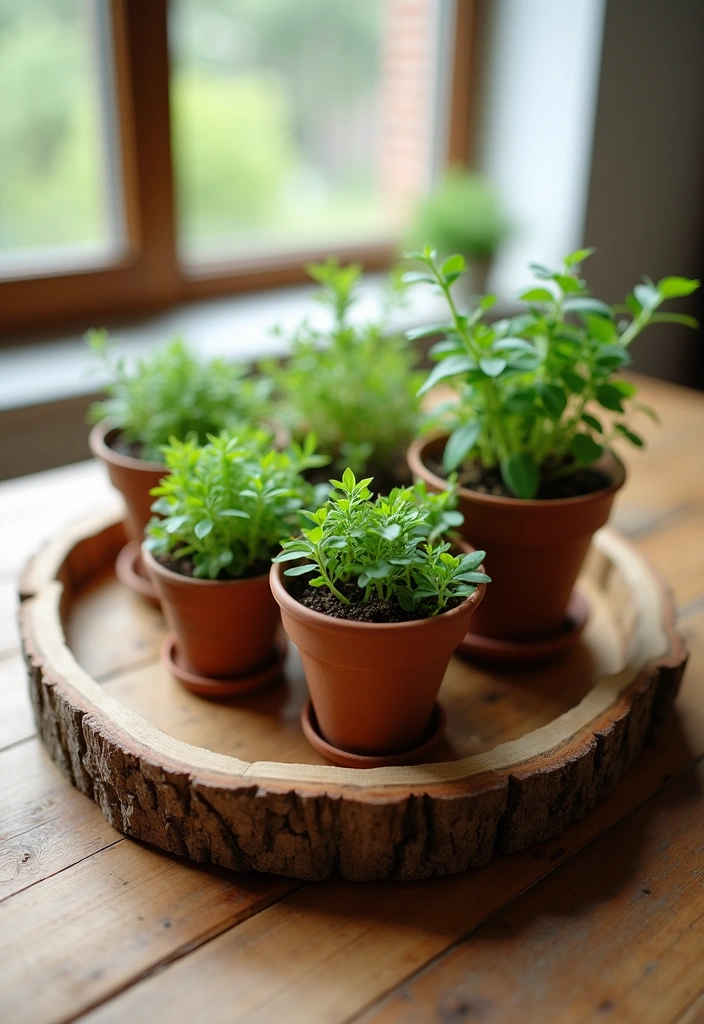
172, 393
352, 384
462, 215
228, 504
390, 547
539, 393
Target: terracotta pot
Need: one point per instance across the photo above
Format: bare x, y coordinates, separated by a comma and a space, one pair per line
373, 685
535, 549
134, 478
224, 628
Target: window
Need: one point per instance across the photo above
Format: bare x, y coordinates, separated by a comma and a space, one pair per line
59, 199
160, 151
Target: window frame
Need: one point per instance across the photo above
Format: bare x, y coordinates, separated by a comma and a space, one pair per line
149, 275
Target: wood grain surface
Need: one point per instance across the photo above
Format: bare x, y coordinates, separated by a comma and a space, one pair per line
181, 942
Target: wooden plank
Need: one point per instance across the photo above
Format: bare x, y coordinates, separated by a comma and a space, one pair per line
694, 1014
83, 934
135, 633
327, 952
617, 933
16, 717
45, 824
678, 551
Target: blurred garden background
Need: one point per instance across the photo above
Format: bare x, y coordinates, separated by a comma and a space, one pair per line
277, 117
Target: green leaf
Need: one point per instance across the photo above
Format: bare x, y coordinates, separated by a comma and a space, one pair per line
574, 381
472, 561
299, 570
541, 272
647, 295
634, 305
523, 403
537, 295
585, 449
441, 348
390, 531
579, 256
417, 277
175, 523
453, 265
520, 474
553, 398
610, 397
568, 283
635, 439
473, 577
677, 287
492, 367
203, 528
459, 444
449, 367
426, 332
289, 556
612, 357
592, 422
601, 328
625, 388
513, 345
584, 304
235, 513
675, 318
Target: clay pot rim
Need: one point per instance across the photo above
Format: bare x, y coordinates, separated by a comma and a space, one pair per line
319, 620
610, 463
192, 581
98, 441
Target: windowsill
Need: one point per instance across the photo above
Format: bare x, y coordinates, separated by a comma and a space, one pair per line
56, 366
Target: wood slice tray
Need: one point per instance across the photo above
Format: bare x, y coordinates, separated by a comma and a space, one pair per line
526, 751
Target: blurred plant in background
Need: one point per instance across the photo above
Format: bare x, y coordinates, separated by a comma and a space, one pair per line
462, 215
353, 385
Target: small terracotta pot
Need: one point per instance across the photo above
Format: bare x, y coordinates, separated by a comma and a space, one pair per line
134, 478
535, 549
373, 685
224, 628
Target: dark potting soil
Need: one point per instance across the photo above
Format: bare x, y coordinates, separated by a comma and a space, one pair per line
133, 449
186, 567
319, 599
474, 477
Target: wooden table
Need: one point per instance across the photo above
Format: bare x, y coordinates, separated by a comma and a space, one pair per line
604, 923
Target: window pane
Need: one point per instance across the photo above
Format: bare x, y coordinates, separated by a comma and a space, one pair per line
56, 207
298, 122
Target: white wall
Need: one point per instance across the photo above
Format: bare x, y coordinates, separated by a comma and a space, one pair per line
538, 84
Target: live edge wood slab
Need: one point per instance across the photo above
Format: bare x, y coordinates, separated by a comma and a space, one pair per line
526, 752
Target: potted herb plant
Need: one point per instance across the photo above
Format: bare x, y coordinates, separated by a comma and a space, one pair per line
462, 215
353, 385
540, 407
170, 393
226, 506
376, 624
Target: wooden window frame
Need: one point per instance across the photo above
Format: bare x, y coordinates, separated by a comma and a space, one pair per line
149, 276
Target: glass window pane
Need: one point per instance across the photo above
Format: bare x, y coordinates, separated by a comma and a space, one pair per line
299, 122
57, 209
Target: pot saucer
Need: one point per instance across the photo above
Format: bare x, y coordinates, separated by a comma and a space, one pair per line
223, 686
345, 759
514, 652
130, 571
